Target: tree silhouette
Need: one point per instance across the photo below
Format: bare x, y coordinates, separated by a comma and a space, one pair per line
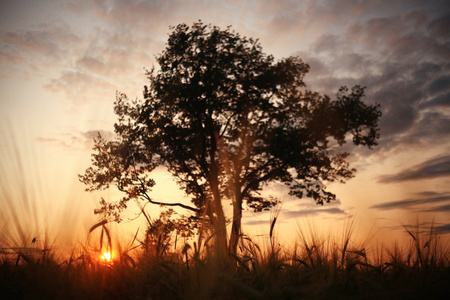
225, 119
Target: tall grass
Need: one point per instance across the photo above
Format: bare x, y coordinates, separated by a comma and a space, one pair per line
316, 267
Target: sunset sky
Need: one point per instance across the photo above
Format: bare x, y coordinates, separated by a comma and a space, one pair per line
61, 63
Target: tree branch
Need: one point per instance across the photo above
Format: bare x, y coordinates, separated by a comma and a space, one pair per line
171, 204
147, 197
267, 177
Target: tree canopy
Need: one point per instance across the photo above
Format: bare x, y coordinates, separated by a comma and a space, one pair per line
225, 119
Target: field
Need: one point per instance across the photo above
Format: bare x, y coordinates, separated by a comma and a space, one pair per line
315, 267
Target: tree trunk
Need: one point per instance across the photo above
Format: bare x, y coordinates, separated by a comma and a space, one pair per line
220, 225
236, 226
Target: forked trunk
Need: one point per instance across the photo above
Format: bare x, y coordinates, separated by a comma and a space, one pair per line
220, 226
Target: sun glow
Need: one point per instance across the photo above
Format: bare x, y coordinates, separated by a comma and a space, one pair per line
106, 256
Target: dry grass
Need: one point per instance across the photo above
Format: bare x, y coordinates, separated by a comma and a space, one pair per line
314, 268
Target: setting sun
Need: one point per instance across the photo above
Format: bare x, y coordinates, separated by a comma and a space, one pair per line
106, 256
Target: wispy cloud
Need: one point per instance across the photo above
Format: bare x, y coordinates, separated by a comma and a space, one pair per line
314, 212
432, 168
442, 208
421, 228
294, 208
288, 214
297, 208
44, 44
75, 140
424, 204
443, 229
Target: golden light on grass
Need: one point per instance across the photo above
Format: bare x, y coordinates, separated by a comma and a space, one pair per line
34, 210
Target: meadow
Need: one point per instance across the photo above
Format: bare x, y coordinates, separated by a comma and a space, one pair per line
159, 267
159, 264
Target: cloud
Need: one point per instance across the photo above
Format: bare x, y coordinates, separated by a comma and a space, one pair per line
426, 202
293, 208
45, 43
443, 208
76, 140
308, 207
440, 27
443, 229
91, 64
440, 84
401, 55
82, 67
80, 87
423, 228
138, 13
153, 18
432, 168
105, 63
91, 134
433, 124
287, 214
313, 212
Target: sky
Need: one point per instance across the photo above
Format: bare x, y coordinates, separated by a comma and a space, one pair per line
62, 62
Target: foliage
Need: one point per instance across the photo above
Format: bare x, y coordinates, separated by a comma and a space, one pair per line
160, 231
225, 119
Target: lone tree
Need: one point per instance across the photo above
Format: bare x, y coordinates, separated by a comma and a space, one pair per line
225, 119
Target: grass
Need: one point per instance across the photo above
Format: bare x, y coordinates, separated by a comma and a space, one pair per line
316, 267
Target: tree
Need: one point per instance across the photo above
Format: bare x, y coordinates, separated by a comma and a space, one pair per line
225, 119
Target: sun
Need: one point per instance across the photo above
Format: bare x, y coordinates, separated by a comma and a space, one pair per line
106, 256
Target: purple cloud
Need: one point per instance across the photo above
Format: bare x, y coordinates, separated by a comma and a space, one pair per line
432, 168
424, 202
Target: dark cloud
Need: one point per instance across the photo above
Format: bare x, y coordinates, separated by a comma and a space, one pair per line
313, 212
427, 228
439, 102
440, 27
440, 84
402, 56
443, 229
405, 92
421, 229
301, 208
399, 115
443, 208
259, 222
327, 43
432, 168
425, 202
428, 194
431, 124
